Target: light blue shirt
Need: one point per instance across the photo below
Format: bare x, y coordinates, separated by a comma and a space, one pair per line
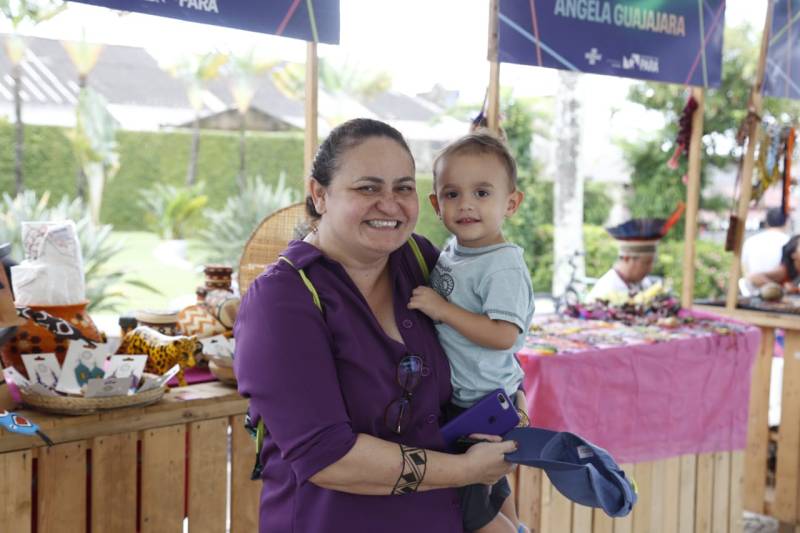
493, 281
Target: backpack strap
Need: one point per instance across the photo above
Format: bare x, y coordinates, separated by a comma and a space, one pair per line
423, 266
259, 430
306, 282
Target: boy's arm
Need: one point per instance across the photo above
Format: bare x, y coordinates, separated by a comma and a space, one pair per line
480, 329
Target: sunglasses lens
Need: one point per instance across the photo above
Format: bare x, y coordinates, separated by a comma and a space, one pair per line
397, 414
409, 371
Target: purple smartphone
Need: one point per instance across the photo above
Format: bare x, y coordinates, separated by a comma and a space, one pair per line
493, 415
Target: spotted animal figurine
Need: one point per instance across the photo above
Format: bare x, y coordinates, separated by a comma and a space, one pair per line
162, 351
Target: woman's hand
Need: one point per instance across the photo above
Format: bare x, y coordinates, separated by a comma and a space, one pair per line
487, 463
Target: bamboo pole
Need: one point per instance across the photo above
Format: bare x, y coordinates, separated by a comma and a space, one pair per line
746, 179
311, 114
493, 105
692, 198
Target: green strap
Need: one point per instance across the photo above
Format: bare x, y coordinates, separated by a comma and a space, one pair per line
306, 282
420, 259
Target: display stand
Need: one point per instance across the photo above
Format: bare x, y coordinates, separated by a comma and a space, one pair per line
132, 469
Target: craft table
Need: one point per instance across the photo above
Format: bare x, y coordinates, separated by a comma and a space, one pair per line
670, 404
133, 469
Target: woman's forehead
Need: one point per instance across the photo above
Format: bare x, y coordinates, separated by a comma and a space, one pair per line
378, 157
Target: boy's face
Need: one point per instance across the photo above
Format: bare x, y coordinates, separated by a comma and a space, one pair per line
473, 196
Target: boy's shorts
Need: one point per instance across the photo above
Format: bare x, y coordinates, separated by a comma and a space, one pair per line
479, 503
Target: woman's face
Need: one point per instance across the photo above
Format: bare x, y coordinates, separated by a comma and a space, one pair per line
370, 207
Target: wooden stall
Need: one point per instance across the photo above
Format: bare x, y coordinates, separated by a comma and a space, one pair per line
690, 493
779, 498
136, 469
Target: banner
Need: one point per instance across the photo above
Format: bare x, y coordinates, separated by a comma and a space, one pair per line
310, 20
782, 71
676, 41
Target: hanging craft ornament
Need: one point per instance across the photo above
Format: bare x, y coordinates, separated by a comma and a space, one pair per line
735, 227
684, 133
770, 158
787, 169
19, 424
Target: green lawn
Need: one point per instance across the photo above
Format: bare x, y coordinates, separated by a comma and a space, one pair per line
172, 280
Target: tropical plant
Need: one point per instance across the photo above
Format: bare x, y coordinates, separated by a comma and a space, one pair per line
173, 212
229, 228
94, 141
20, 12
104, 284
196, 72
84, 57
243, 70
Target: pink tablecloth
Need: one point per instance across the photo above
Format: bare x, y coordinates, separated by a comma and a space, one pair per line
648, 402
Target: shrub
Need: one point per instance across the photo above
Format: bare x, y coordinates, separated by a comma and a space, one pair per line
172, 212
147, 158
228, 229
103, 285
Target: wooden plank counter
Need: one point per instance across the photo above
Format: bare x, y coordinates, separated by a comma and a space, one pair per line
784, 502
135, 469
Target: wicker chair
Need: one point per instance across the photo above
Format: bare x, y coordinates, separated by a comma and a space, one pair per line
268, 240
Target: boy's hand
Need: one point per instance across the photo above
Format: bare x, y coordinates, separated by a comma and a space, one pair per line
428, 301
522, 409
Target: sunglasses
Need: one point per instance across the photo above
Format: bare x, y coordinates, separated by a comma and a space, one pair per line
398, 412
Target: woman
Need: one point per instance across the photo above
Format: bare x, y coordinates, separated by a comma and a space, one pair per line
787, 272
351, 394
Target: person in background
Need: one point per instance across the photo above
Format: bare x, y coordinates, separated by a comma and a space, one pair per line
481, 297
762, 252
629, 273
351, 391
787, 273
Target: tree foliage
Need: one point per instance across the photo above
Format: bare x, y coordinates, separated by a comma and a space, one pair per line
656, 188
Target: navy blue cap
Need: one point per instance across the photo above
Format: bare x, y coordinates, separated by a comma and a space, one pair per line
581, 471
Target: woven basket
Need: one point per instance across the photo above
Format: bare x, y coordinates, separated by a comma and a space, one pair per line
76, 405
267, 241
222, 371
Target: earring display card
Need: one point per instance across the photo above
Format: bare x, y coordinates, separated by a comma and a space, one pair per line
43, 369
82, 363
11, 375
128, 367
160, 381
218, 345
104, 387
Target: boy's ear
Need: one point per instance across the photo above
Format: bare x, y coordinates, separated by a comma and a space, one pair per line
435, 203
514, 201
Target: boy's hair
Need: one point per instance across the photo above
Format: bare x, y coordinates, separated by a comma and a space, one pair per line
480, 142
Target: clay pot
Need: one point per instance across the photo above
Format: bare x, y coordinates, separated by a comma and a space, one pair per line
34, 338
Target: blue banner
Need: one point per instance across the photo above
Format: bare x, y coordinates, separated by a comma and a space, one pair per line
782, 71
310, 20
676, 41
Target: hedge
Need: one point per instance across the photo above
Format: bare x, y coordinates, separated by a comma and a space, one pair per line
148, 157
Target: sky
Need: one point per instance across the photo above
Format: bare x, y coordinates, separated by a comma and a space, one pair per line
420, 42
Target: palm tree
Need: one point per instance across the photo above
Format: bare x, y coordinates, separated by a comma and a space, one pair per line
196, 72
335, 78
84, 56
20, 12
243, 71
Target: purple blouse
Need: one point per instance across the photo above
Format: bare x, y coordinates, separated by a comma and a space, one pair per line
319, 380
